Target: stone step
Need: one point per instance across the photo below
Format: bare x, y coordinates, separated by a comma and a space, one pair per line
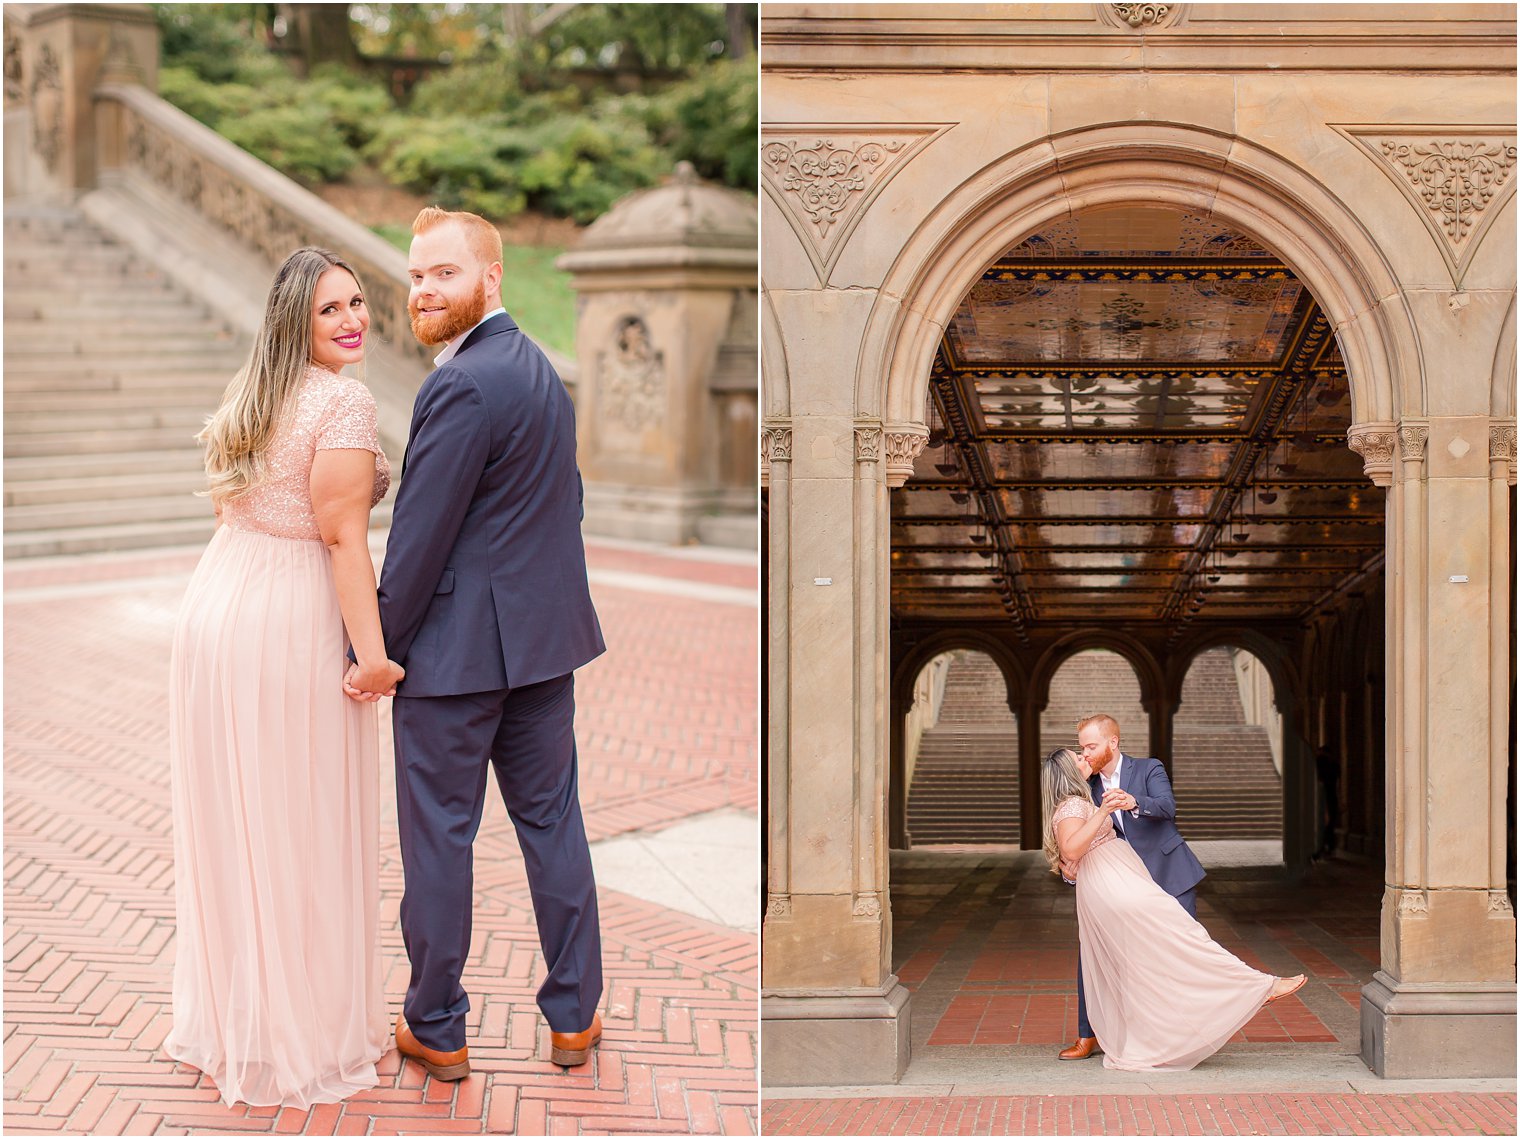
31, 469
107, 512
29, 424
194, 381
52, 542
162, 305
103, 487
23, 344
24, 402
101, 442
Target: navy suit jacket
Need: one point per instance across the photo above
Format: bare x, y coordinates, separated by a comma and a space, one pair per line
1154, 834
484, 585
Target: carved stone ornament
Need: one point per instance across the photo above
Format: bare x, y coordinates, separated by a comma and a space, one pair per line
779, 906
1412, 442
904, 444
1374, 443
633, 376
867, 906
1498, 904
1453, 175
1501, 443
867, 444
776, 444
824, 177
46, 96
15, 88
1414, 903
1139, 15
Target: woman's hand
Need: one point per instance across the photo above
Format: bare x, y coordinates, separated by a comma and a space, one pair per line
371, 683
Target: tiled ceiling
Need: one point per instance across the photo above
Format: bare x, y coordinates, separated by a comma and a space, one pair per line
1137, 416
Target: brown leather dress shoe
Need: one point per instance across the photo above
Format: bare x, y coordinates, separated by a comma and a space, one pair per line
439, 1065
1084, 1047
570, 1049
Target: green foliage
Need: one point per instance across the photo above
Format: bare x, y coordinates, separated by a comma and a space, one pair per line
712, 120
457, 163
637, 37
299, 139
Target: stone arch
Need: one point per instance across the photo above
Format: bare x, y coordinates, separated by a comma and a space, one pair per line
1286, 683
1187, 167
1502, 387
1147, 670
775, 376
947, 640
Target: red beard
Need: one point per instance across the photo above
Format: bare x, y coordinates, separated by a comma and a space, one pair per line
458, 317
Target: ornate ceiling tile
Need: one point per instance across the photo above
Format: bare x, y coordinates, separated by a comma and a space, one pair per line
1455, 176
824, 177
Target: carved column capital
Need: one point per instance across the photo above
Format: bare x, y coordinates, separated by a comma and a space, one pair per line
775, 447
1412, 437
867, 906
1374, 443
904, 442
867, 443
779, 906
1501, 447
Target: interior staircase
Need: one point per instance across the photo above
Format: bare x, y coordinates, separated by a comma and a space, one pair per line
966, 780
110, 370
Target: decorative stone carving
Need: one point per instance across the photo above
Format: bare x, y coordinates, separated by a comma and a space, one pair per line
1374, 443
1138, 15
1453, 175
775, 447
867, 906
825, 177
46, 97
633, 371
867, 444
1501, 443
1412, 442
779, 906
1414, 903
1498, 904
904, 443
15, 86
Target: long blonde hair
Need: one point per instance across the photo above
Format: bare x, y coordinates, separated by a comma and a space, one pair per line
237, 437
1060, 779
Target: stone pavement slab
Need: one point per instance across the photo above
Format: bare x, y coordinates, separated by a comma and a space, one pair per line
667, 732
702, 866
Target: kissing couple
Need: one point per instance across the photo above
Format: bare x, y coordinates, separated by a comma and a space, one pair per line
480, 619
1155, 993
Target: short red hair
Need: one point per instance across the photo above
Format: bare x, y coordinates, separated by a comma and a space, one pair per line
484, 238
1106, 724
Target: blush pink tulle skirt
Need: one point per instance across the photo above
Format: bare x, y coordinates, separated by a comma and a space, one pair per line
1161, 994
277, 986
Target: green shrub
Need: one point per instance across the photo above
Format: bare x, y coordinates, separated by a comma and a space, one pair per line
578, 167
356, 104
299, 140
711, 120
208, 102
457, 163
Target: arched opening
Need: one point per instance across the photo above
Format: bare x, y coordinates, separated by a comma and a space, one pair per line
961, 754
1227, 754
1136, 468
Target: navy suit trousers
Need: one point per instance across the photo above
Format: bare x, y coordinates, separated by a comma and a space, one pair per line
444, 745
1188, 900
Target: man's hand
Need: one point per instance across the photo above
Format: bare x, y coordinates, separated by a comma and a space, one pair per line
1069, 871
1120, 799
368, 685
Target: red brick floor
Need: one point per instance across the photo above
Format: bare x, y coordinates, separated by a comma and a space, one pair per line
987, 943
1436, 1113
666, 728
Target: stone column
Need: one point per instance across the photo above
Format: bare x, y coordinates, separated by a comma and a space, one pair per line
1443, 1003
64, 51
833, 1011
1031, 821
665, 341
1160, 712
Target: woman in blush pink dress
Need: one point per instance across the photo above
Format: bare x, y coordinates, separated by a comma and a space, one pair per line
1161, 994
277, 985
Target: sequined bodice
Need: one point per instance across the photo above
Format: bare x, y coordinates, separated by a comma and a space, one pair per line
1084, 809
330, 412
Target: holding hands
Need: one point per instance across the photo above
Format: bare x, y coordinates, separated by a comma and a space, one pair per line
368, 684
1118, 799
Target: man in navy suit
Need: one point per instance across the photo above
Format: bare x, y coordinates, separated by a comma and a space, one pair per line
485, 603
1147, 820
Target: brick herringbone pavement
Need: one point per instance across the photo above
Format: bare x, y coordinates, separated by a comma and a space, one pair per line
666, 728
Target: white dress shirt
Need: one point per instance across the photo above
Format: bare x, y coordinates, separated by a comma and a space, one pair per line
451, 349
1110, 781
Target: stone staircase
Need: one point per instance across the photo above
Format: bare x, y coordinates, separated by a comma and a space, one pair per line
110, 370
1093, 682
966, 781
1222, 770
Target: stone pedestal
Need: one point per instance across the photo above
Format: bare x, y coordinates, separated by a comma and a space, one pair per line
665, 337
1438, 1031
850, 1038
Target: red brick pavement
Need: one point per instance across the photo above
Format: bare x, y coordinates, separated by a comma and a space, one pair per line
1436, 1113
666, 729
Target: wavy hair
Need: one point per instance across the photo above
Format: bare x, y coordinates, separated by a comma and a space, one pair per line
237, 437
1060, 779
